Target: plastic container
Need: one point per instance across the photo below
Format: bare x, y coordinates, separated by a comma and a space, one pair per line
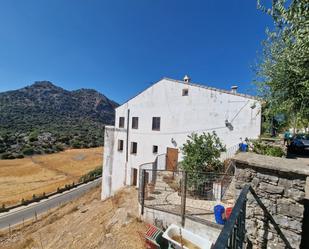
228, 212
219, 211
243, 147
173, 232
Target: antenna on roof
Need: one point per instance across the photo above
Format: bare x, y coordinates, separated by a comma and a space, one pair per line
186, 79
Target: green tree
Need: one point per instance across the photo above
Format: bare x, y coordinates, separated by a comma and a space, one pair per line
201, 155
284, 69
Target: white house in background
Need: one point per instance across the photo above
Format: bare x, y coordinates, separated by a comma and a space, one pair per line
158, 121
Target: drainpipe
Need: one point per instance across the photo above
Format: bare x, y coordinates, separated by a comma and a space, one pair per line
127, 147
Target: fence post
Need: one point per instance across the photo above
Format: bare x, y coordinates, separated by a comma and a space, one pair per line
143, 190
183, 197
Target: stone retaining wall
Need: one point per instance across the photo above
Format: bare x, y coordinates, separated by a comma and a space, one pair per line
281, 191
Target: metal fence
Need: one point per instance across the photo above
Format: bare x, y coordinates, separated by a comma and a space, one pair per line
187, 194
234, 231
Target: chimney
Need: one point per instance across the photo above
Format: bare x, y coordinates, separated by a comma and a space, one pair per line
234, 89
186, 79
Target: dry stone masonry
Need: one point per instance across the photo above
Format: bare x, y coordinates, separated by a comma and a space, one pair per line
280, 184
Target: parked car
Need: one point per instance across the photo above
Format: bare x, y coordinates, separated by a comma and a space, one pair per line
299, 144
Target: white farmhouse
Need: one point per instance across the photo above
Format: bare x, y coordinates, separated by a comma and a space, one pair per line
158, 121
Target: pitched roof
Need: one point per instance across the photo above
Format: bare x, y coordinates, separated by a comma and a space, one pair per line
214, 89
196, 85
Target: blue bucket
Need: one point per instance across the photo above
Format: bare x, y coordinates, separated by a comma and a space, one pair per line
219, 211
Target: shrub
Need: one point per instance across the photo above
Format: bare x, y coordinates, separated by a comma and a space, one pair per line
28, 151
33, 136
91, 174
261, 148
20, 156
7, 155
201, 154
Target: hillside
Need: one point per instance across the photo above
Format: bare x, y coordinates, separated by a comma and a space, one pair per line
44, 118
84, 223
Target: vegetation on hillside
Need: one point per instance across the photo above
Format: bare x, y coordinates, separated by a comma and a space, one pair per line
44, 118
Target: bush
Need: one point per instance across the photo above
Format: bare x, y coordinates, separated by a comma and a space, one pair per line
28, 151
7, 155
76, 144
33, 136
91, 174
261, 148
201, 154
59, 147
2, 207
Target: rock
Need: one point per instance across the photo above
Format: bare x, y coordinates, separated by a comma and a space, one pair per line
84, 210
294, 194
255, 182
299, 184
108, 235
286, 207
243, 175
292, 237
307, 188
285, 183
287, 223
269, 188
268, 178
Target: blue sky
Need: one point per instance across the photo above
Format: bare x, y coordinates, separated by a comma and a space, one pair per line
120, 47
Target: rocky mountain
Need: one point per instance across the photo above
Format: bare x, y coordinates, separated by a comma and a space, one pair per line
44, 118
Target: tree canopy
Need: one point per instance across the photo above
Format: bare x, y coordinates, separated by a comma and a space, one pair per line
284, 69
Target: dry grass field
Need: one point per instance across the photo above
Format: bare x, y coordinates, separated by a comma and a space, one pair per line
21, 178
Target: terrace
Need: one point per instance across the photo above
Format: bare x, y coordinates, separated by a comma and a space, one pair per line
267, 197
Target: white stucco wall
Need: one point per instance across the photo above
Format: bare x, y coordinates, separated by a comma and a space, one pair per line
203, 110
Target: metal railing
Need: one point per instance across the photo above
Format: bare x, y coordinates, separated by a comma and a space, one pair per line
186, 194
234, 231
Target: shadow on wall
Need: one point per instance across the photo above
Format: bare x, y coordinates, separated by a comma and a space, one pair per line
305, 228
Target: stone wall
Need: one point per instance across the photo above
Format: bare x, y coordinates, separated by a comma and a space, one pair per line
280, 184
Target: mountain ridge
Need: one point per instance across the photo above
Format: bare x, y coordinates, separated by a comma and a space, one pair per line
71, 118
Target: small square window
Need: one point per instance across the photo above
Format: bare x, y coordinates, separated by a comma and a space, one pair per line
155, 149
121, 122
134, 122
156, 123
120, 145
133, 147
185, 92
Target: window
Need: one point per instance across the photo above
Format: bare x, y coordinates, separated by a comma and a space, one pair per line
156, 123
133, 147
185, 92
121, 122
134, 122
155, 149
120, 145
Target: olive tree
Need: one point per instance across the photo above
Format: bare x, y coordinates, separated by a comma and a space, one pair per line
283, 72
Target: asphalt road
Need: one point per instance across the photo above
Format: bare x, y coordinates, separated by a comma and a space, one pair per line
16, 216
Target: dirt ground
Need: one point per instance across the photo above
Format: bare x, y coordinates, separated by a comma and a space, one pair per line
85, 223
21, 178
